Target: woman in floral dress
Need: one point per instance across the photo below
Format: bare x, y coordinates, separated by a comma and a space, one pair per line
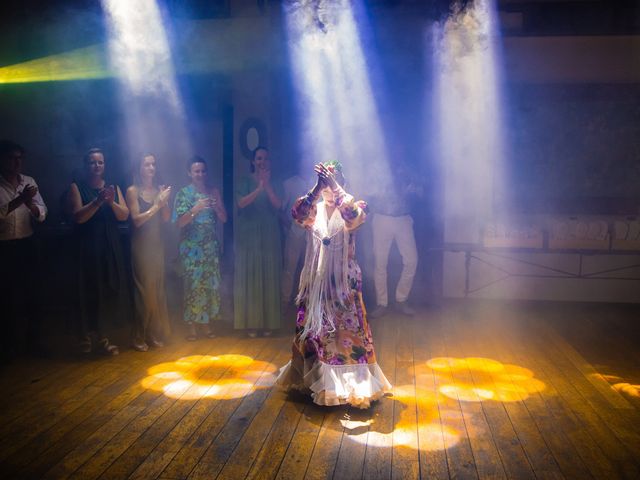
196, 210
333, 355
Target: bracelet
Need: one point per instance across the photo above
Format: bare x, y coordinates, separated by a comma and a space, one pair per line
309, 198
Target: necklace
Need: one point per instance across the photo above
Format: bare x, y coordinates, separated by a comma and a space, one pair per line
325, 239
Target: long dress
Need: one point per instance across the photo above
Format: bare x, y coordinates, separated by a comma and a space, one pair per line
199, 257
258, 262
103, 286
333, 356
147, 262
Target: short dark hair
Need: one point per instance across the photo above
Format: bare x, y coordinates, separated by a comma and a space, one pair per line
195, 159
8, 146
253, 156
91, 151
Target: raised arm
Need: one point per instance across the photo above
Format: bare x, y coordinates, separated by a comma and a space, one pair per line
31, 199
218, 205
160, 204
82, 213
37, 206
304, 208
353, 212
119, 206
276, 202
248, 199
137, 217
165, 210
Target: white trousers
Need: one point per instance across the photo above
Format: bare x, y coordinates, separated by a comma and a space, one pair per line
294, 248
386, 229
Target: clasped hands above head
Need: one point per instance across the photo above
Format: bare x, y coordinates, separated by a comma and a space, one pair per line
326, 176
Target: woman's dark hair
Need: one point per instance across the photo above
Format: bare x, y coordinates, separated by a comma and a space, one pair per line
137, 180
253, 156
195, 159
91, 151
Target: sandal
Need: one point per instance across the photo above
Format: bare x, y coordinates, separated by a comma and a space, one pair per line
191, 333
155, 343
108, 348
208, 331
140, 346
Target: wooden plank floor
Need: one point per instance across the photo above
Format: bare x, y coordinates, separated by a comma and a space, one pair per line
481, 390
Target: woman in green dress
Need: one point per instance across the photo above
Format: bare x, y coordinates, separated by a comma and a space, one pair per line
197, 208
258, 255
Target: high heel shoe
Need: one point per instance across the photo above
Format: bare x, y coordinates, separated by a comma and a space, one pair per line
208, 331
140, 346
155, 343
106, 348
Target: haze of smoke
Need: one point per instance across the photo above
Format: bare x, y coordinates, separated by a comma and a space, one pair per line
335, 98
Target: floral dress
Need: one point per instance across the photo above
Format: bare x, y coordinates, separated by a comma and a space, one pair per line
333, 355
199, 257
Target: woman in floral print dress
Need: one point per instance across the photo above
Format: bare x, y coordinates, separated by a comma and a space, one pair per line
333, 355
195, 211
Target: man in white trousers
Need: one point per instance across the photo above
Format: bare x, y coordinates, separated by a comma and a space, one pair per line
392, 221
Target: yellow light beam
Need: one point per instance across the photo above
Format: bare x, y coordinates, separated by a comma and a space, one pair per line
80, 64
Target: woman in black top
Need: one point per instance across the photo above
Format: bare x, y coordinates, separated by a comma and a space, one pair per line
97, 208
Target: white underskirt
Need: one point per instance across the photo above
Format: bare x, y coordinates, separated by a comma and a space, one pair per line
330, 385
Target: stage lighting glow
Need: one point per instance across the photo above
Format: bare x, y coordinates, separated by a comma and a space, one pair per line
486, 379
619, 384
336, 103
628, 389
140, 55
432, 432
204, 376
469, 118
430, 417
139, 49
81, 64
608, 378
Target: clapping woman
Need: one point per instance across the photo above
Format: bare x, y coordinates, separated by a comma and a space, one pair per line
258, 249
148, 204
97, 208
197, 209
